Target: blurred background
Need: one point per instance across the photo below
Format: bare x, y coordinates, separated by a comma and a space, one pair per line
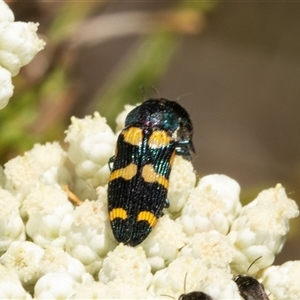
235, 67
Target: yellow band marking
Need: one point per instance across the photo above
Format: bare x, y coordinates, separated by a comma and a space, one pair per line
117, 213
127, 173
133, 136
147, 216
159, 138
149, 175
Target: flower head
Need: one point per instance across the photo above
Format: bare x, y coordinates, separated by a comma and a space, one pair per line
91, 144
19, 44
203, 240
282, 281
261, 229
11, 224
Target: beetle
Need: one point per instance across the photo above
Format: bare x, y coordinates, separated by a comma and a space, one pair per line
195, 296
138, 184
192, 296
249, 287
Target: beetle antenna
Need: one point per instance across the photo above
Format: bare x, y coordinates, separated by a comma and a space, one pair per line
253, 263
184, 283
184, 96
156, 91
142, 88
167, 296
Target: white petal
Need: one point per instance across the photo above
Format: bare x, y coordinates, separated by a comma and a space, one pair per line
6, 13
6, 87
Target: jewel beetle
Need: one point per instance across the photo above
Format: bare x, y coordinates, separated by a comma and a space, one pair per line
249, 287
138, 184
195, 296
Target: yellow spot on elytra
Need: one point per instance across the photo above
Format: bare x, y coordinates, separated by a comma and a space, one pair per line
149, 175
117, 213
147, 216
159, 138
133, 136
127, 173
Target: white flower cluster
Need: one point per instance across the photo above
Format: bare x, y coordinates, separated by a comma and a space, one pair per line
53, 249
18, 46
